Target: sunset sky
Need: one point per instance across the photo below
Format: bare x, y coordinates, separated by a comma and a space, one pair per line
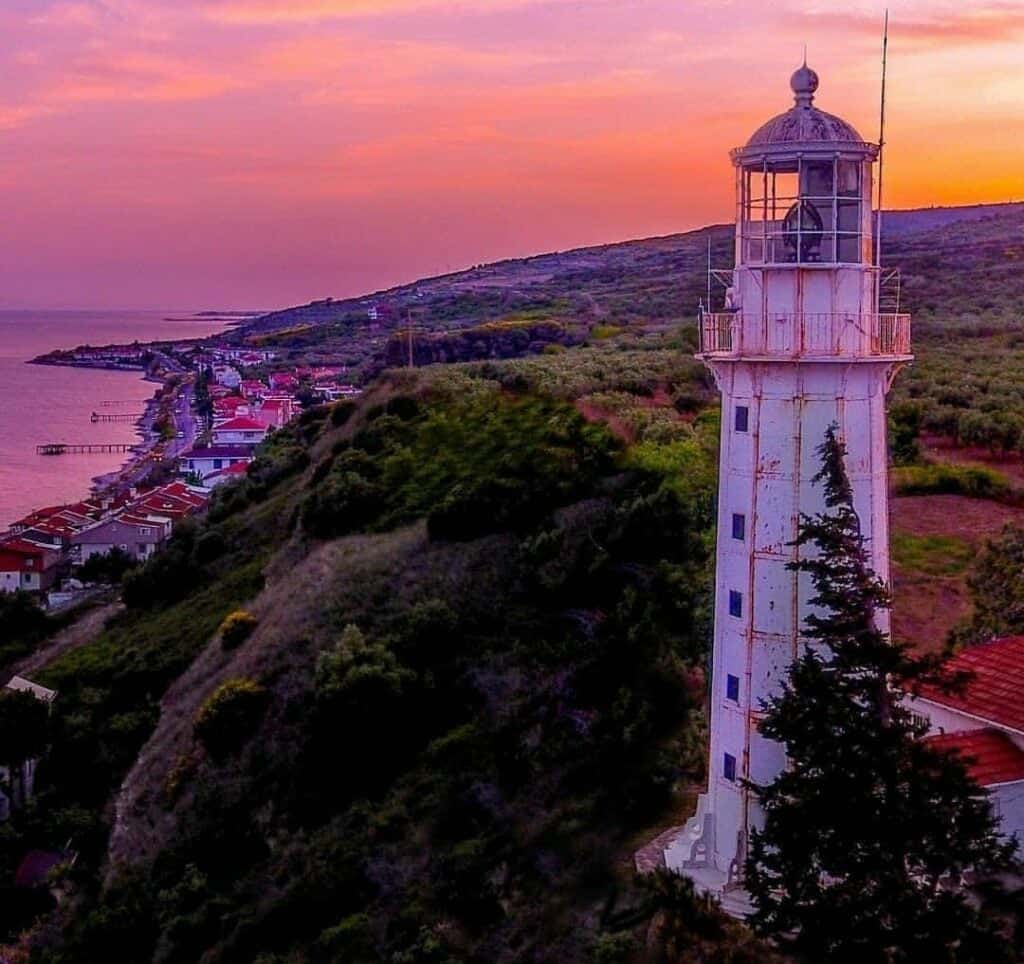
259, 153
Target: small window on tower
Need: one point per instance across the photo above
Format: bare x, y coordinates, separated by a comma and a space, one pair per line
732, 688
729, 767
735, 603
739, 526
742, 418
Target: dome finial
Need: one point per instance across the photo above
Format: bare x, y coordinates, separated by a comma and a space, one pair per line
804, 83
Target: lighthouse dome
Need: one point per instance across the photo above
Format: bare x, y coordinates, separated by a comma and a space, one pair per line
803, 123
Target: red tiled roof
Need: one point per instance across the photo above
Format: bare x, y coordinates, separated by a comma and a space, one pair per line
22, 548
240, 424
990, 755
994, 692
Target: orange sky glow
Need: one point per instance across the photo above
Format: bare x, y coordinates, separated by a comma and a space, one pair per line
260, 153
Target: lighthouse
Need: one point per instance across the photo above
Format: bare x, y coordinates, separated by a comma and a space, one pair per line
802, 345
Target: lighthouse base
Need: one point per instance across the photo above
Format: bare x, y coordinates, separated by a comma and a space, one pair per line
693, 854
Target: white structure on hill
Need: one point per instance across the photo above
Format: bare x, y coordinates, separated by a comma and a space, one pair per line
801, 346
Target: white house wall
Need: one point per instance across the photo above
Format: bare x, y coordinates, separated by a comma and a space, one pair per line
1008, 805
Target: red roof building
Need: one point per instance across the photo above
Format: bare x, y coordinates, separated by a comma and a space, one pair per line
26, 566
984, 722
991, 757
995, 693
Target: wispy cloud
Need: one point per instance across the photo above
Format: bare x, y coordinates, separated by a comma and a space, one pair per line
307, 11
925, 26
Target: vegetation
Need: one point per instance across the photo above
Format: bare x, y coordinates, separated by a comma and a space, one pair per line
867, 821
483, 602
997, 590
237, 628
934, 555
944, 479
229, 716
106, 567
23, 729
24, 626
467, 704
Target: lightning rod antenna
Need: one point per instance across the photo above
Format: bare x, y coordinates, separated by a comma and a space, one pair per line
881, 147
708, 302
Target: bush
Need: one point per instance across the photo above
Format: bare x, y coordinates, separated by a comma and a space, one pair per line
342, 412
23, 624
237, 628
970, 480
229, 716
107, 567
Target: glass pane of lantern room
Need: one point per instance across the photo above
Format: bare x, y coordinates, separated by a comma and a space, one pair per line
817, 221
816, 179
848, 179
783, 191
753, 213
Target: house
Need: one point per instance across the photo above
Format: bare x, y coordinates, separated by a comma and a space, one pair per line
139, 537
253, 390
232, 472
206, 461
275, 411
230, 407
283, 382
194, 497
239, 431
27, 566
227, 376
20, 785
985, 723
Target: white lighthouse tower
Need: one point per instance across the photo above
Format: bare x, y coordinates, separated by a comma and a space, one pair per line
802, 346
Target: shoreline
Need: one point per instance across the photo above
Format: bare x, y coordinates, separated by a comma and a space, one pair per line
107, 482
151, 449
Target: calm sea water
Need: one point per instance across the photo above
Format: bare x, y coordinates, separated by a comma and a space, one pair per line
39, 403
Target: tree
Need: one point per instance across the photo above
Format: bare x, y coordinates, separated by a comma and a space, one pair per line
868, 830
23, 727
997, 589
107, 567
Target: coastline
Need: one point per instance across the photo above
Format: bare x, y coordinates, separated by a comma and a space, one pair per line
156, 439
108, 482
132, 471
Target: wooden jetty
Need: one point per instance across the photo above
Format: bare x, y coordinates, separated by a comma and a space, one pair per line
87, 448
117, 403
115, 417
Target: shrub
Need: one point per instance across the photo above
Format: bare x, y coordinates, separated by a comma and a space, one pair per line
970, 480
342, 412
229, 716
107, 567
237, 628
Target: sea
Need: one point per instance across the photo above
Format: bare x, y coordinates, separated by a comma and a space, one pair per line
44, 403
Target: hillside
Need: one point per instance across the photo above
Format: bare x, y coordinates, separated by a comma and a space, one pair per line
474, 685
479, 602
959, 265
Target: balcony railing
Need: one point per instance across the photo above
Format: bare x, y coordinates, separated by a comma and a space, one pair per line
735, 335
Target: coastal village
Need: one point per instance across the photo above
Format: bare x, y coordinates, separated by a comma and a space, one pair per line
222, 403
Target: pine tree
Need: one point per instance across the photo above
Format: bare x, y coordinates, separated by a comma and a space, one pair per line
869, 830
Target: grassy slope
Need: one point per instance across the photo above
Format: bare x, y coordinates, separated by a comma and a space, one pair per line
523, 702
412, 894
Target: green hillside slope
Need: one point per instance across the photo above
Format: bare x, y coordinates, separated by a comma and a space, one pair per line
474, 684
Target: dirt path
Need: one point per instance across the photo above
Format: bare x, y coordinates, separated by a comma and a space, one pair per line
81, 632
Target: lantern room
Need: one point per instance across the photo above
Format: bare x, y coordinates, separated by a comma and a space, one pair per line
804, 188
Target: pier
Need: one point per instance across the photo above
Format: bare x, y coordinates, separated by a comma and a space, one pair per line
115, 417
117, 403
87, 448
